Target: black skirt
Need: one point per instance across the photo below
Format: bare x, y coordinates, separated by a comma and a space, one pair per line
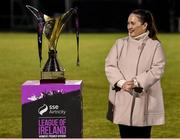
134, 131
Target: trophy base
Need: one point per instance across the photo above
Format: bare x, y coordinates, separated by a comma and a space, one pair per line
52, 77
60, 80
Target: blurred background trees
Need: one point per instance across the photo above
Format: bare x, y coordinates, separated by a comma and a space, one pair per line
94, 15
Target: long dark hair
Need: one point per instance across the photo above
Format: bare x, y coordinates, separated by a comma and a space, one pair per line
146, 16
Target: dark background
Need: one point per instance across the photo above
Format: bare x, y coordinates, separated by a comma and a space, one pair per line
94, 15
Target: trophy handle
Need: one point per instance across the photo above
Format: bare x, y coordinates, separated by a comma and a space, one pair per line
59, 26
65, 18
35, 12
40, 18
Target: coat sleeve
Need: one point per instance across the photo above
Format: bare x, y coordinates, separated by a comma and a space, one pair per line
151, 76
112, 71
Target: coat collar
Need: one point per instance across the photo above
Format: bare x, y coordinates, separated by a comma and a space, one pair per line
140, 38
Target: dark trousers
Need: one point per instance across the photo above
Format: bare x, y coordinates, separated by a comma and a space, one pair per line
134, 131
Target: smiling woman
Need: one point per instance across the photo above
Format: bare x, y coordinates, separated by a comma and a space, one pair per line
134, 67
140, 21
135, 27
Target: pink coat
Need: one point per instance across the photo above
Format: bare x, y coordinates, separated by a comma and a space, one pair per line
120, 63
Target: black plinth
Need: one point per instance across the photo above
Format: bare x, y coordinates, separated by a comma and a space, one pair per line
52, 110
60, 80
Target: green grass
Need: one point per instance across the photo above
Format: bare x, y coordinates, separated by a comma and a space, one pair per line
19, 62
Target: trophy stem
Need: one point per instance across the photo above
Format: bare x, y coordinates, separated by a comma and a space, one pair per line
52, 72
52, 63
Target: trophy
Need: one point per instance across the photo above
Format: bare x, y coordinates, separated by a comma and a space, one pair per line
51, 27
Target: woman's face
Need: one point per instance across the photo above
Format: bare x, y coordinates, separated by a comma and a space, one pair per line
134, 25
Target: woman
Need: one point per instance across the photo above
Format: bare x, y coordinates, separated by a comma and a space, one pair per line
134, 67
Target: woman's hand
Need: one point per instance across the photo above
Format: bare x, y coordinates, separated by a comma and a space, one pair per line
128, 86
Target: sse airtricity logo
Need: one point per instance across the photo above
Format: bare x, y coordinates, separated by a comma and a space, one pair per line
43, 109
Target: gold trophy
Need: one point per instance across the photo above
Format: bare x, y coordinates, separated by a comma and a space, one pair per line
51, 27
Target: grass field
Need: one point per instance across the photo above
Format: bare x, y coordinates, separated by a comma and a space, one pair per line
19, 62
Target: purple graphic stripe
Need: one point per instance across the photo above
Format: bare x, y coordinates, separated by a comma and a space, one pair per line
32, 90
